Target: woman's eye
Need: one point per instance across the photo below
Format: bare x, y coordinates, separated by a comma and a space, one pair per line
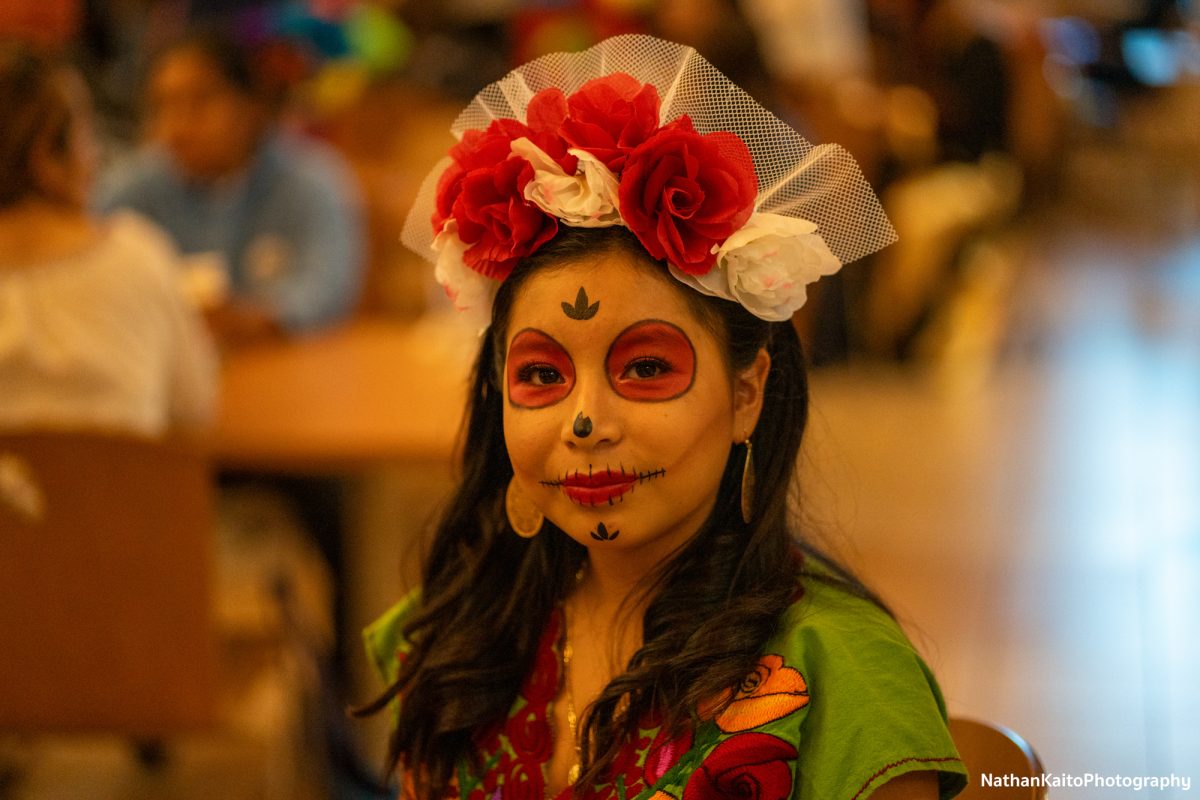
646, 368
540, 375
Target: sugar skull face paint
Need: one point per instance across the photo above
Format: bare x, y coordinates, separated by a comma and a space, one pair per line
539, 371
652, 360
581, 309
582, 426
651, 379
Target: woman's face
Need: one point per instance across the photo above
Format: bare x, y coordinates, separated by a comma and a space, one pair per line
619, 409
208, 126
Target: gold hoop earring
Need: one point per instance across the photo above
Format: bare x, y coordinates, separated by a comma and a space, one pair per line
524, 517
748, 483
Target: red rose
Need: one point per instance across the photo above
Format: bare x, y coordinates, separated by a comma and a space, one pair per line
530, 736
523, 783
626, 764
545, 115
749, 766
610, 116
476, 150
682, 193
496, 221
664, 754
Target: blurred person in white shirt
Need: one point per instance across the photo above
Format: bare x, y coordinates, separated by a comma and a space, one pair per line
95, 331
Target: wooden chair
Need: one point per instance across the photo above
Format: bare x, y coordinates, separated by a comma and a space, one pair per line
105, 596
988, 748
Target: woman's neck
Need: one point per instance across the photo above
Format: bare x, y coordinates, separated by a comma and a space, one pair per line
35, 231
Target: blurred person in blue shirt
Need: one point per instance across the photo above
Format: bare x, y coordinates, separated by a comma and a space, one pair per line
269, 220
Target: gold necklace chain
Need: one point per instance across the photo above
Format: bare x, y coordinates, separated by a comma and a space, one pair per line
572, 717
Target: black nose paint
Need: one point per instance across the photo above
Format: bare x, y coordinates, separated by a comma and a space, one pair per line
582, 427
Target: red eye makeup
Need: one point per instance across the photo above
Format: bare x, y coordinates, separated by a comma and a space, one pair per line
538, 370
651, 361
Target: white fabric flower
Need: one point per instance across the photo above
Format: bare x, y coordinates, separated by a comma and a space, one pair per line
466, 288
587, 199
766, 264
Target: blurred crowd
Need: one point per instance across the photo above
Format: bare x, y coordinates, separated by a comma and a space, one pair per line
277, 144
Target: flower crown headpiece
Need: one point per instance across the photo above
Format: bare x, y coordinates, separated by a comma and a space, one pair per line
641, 132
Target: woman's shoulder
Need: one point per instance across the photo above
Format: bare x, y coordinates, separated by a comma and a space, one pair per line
859, 685
832, 617
384, 638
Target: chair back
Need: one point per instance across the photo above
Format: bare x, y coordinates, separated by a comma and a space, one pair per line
989, 749
106, 556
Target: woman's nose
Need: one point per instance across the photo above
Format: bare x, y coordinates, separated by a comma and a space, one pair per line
591, 420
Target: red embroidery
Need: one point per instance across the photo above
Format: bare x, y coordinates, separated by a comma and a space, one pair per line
895, 764
529, 734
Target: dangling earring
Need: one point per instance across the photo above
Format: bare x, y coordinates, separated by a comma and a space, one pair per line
748, 483
524, 517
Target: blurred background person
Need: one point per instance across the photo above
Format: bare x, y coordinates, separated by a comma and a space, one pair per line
274, 215
94, 329
271, 225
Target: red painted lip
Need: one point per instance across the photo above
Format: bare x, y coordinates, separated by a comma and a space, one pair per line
599, 479
596, 495
594, 488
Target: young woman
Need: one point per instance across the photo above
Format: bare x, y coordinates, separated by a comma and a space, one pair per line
94, 329
616, 603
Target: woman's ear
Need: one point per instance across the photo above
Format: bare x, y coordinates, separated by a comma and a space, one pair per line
749, 387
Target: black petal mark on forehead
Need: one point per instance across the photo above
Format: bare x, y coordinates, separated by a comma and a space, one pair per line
581, 310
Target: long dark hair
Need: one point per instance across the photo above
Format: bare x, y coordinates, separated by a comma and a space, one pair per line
487, 593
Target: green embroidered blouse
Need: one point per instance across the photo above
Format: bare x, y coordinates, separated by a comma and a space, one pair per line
839, 704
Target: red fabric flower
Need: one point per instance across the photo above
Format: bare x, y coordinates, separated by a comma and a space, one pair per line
477, 150
496, 221
610, 116
683, 192
749, 766
483, 189
545, 116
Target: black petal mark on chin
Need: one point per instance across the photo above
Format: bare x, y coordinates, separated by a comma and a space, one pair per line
581, 310
601, 534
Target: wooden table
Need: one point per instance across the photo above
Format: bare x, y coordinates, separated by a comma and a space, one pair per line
371, 391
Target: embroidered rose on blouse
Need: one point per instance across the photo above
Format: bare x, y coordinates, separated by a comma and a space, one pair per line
664, 753
530, 735
770, 692
749, 766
